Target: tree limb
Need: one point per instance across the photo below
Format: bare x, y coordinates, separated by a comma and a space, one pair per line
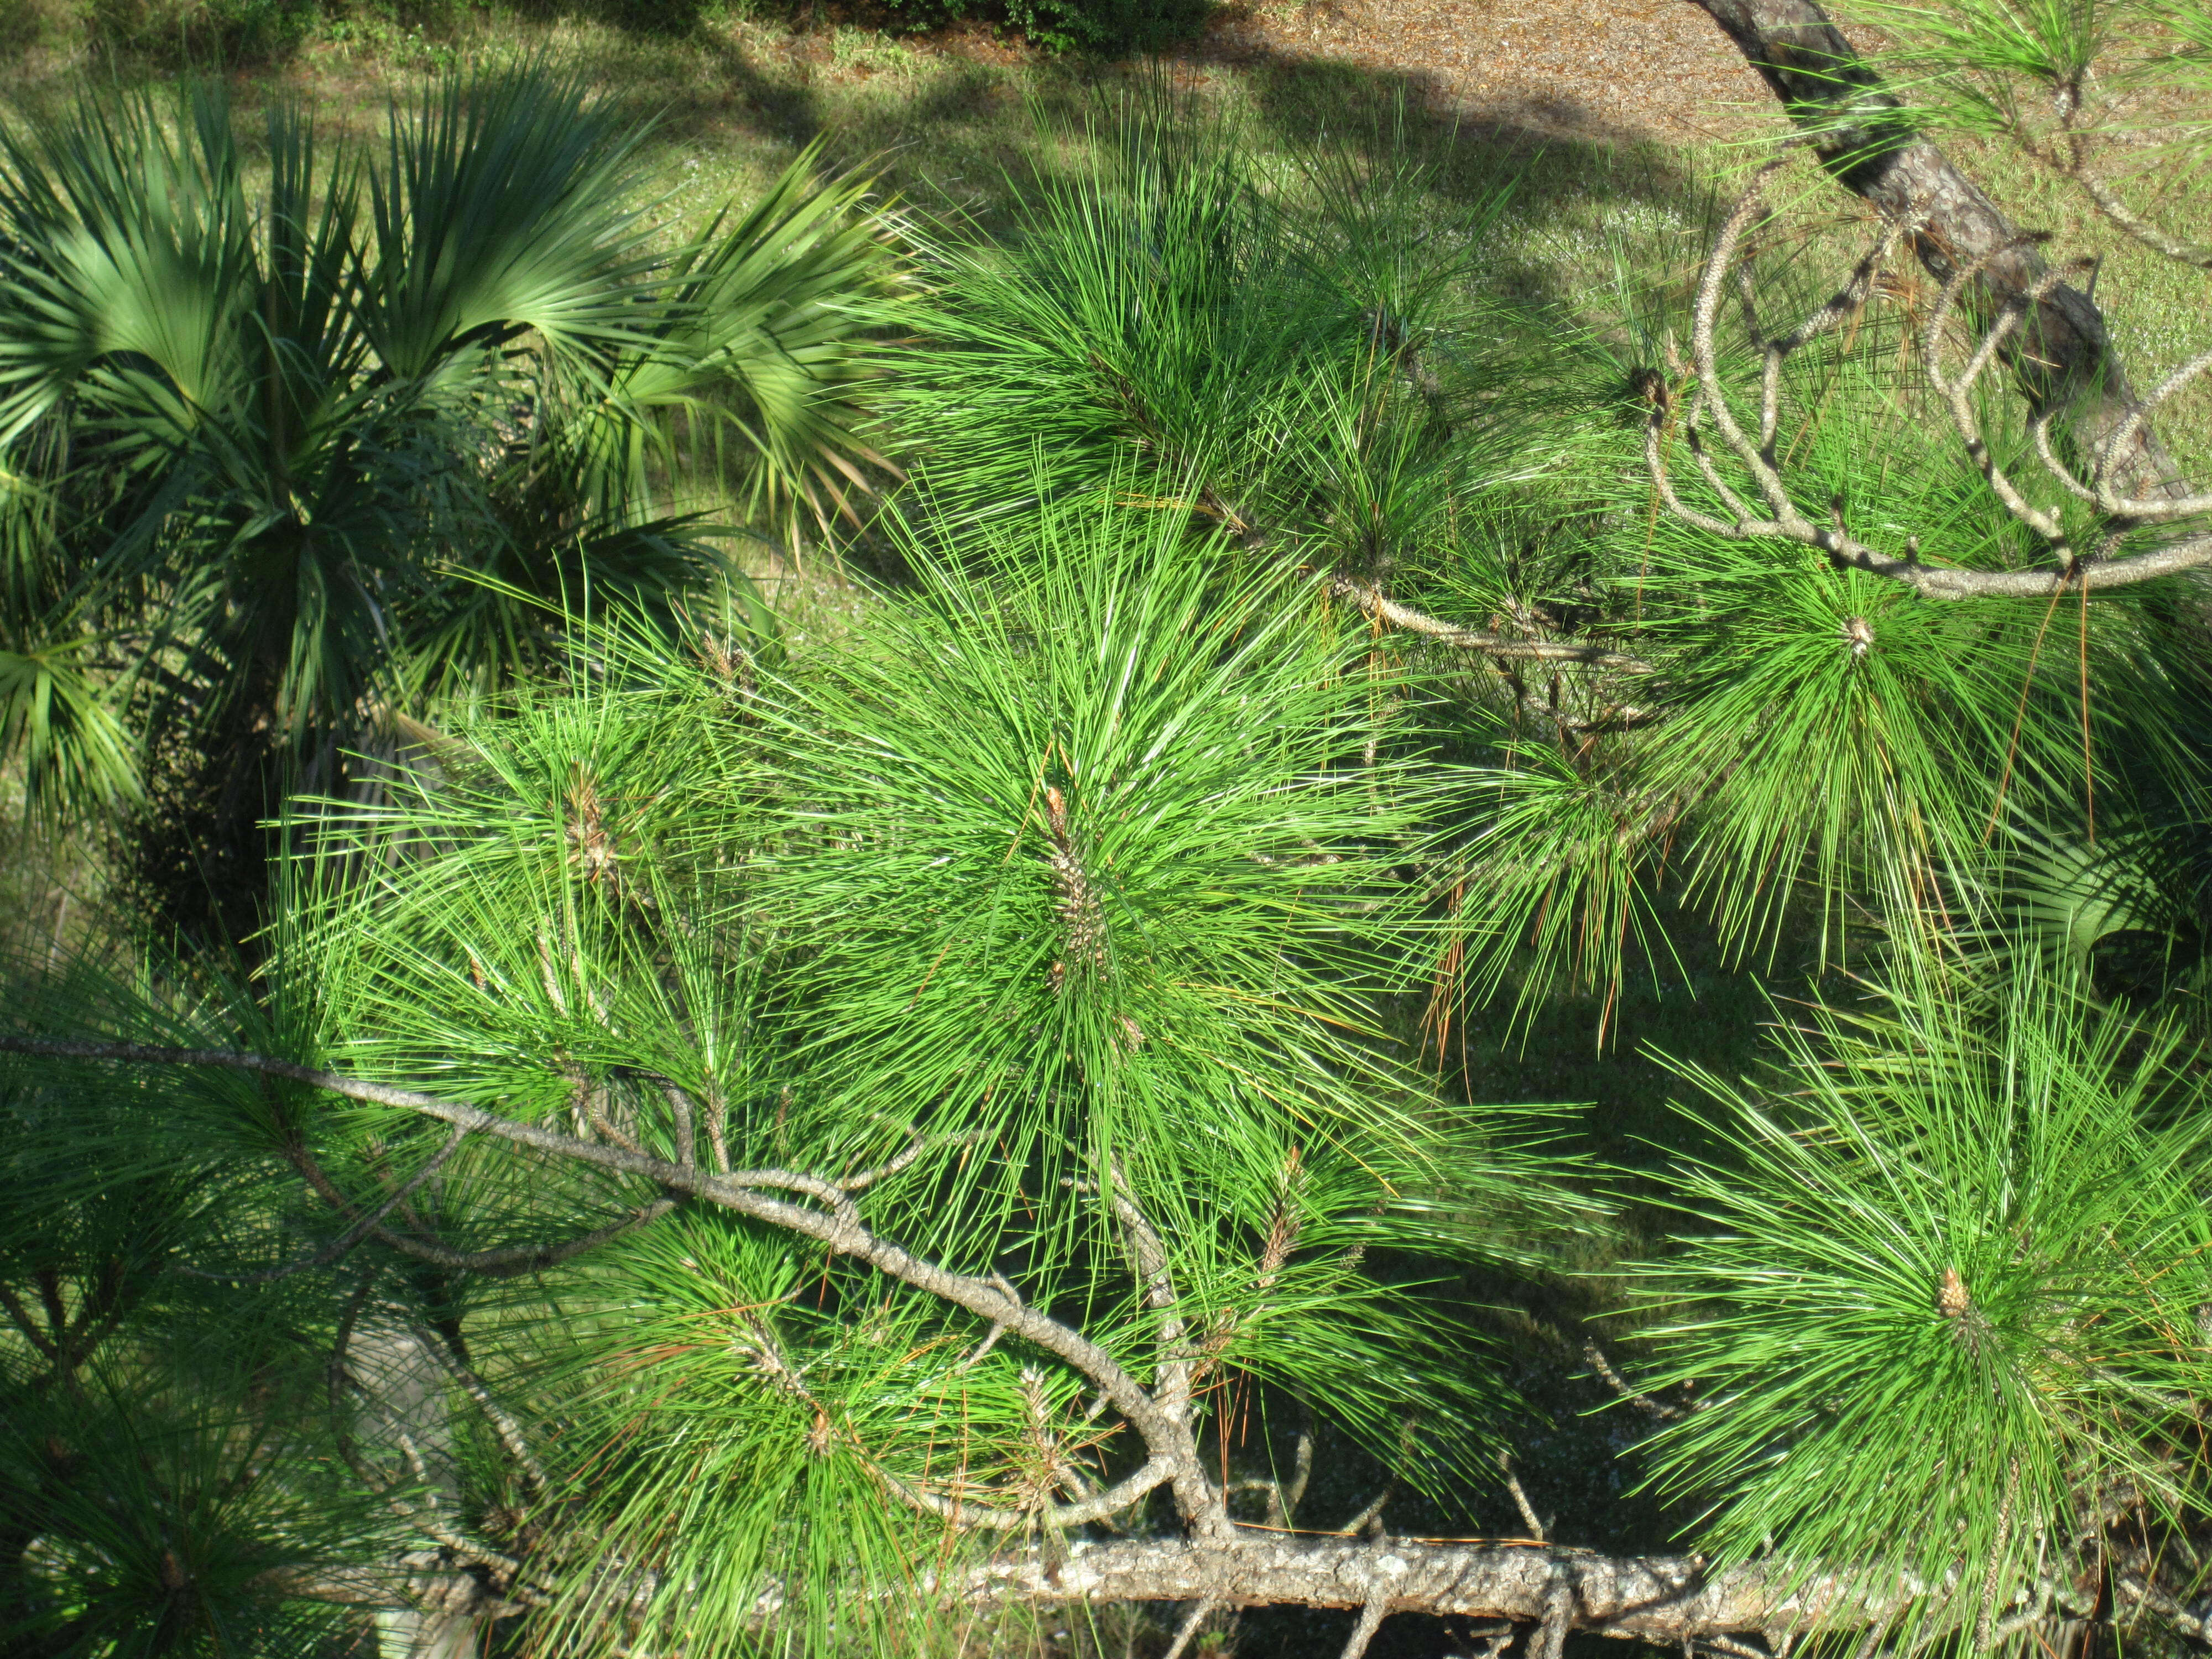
1658, 1600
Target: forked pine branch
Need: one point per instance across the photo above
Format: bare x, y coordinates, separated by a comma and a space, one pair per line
1172, 1454
2064, 360
1777, 516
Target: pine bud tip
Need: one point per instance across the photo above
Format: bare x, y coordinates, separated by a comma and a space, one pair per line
1952, 1300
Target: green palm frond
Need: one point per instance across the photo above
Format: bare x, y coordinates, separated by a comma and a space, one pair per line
61, 718
504, 204
773, 348
2119, 921
297, 447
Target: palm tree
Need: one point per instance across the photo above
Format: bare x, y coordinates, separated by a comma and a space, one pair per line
276, 458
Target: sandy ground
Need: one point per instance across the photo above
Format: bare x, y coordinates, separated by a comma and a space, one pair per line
1586, 68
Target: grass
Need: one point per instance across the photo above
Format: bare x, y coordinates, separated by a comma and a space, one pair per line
951, 129
958, 127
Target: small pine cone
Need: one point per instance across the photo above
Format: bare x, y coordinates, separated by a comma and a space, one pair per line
594, 847
1080, 913
1951, 1299
1076, 900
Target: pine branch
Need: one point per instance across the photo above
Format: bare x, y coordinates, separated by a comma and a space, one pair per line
1173, 1453
1554, 1590
2064, 358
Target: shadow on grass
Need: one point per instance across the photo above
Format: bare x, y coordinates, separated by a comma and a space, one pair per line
960, 127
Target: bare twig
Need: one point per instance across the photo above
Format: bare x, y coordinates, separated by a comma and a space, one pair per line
990, 1341
1559, 1615
1189, 1628
1520, 1498
680, 1123
1362, 1630
427, 1517
964, 1513
718, 1126
503, 1420
345, 1241
424, 1516
1781, 519
1466, 639
2180, 249
906, 1160
20, 1317
519, 1259
335, 1373
1612, 1379
595, 1113
1371, 1513
1173, 1376
2064, 359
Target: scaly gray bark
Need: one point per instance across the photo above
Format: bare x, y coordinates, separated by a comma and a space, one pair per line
408, 1416
2063, 356
1668, 1602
